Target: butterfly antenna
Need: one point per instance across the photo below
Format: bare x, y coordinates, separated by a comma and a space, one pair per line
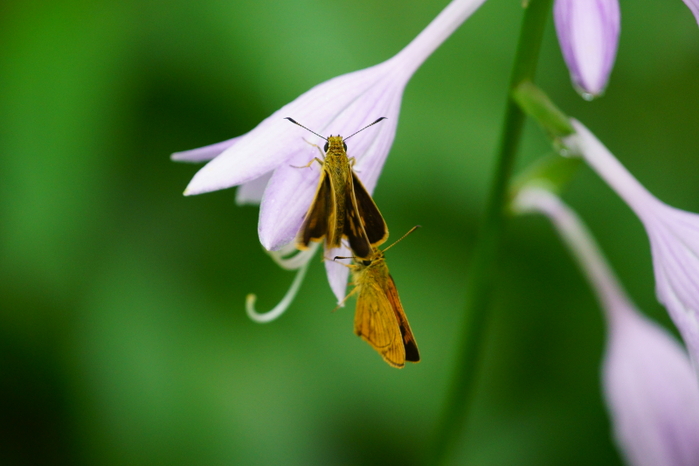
310, 130
370, 124
401, 238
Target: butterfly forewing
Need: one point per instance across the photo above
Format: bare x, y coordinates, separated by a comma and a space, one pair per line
411, 352
320, 215
375, 322
354, 228
372, 220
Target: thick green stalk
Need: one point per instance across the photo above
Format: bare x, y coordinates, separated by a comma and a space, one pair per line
480, 279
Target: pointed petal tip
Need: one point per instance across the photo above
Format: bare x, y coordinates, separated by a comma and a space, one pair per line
337, 273
194, 190
203, 154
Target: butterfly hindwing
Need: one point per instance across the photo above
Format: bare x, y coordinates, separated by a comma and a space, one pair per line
372, 220
411, 352
320, 215
375, 322
354, 227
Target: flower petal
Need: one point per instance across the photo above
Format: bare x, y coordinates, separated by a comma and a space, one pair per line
673, 235
652, 393
371, 150
649, 383
203, 154
285, 201
338, 272
252, 191
588, 32
600, 159
675, 250
694, 6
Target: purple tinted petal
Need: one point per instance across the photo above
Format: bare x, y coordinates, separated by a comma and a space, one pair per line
274, 140
694, 6
252, 191
588, 32
374, 149
600, 159
676, 267
652, 394
286, 200
673, 234
256, 153
448, 20
203, 154
338, 271
649, 383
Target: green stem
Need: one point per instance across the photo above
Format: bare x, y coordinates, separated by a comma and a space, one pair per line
480, 280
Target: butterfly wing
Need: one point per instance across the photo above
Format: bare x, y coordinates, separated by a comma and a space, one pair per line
320, 215
354, 226
411, 352
372, 220
375, 320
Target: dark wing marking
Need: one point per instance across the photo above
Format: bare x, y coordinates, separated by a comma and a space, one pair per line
319, 215
354, 227
374, 224
411, 352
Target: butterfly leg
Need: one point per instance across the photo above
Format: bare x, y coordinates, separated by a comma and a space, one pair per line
322, 154
334, 259
352, 161
315, 159
344, 300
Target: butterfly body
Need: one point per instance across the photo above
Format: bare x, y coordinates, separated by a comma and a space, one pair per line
338, 171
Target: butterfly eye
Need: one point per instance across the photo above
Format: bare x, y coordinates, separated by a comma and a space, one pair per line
344, 145
325, 147
366, 263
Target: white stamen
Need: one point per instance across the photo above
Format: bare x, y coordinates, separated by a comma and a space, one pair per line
278, 310
296, 261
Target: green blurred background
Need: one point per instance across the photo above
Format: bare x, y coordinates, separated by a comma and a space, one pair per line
123, 336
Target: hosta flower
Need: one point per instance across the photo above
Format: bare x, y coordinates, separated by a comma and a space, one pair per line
673, 234
262, 162
588, 32
648, 381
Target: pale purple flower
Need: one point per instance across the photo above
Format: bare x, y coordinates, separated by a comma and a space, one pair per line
648, 381
588, 32
262, 162
673, 234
